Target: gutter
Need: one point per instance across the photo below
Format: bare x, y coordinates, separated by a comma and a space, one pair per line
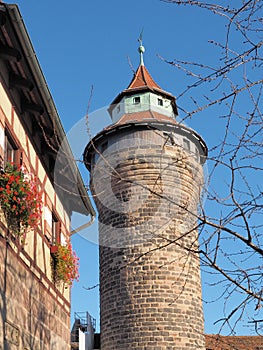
82, 227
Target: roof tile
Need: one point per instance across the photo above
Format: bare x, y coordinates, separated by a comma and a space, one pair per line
142, 78
144, 116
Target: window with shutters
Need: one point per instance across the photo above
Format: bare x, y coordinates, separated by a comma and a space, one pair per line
56, 228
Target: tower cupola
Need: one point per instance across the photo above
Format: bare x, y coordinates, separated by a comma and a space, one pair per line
143, 94
145, 104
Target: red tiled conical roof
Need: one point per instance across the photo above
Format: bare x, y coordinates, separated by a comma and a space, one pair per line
141, 82
142, 78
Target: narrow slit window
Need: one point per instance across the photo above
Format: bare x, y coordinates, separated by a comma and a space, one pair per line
186, 144
196, 154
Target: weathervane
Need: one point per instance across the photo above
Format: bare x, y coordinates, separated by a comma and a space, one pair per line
141, 48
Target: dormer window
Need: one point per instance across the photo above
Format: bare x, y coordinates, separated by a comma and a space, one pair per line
136, 100
160, 102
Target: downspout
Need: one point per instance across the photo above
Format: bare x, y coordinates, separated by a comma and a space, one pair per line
82, 227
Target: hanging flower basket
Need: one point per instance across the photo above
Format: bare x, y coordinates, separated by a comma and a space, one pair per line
20, 199
65, 264
53, 249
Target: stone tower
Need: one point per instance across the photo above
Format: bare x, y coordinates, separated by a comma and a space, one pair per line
146, 178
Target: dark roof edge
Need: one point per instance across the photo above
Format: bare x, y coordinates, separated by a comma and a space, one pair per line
153, 124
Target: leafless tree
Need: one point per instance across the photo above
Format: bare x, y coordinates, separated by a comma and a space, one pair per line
231, 220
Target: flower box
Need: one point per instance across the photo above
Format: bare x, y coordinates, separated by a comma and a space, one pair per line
20, 199
65, 264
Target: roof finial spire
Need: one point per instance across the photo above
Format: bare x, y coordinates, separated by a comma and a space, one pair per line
141, 49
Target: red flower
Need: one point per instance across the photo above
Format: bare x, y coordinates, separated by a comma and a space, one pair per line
11, 179
66, 264
23, 190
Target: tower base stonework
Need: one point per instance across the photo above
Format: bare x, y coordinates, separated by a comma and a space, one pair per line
154, 309
150, 291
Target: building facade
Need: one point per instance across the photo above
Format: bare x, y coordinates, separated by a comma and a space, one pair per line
35, 309
146, 179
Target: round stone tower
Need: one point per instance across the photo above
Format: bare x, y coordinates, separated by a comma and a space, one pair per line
146, 179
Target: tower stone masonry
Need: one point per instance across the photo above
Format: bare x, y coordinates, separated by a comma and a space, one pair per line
146, 179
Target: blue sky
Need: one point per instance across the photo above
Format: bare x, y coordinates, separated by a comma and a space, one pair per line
88, 43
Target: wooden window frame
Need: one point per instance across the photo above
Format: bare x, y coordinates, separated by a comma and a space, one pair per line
12, 147
56, 230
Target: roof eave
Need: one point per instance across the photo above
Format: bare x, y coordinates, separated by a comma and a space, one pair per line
20, 29
149, 123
